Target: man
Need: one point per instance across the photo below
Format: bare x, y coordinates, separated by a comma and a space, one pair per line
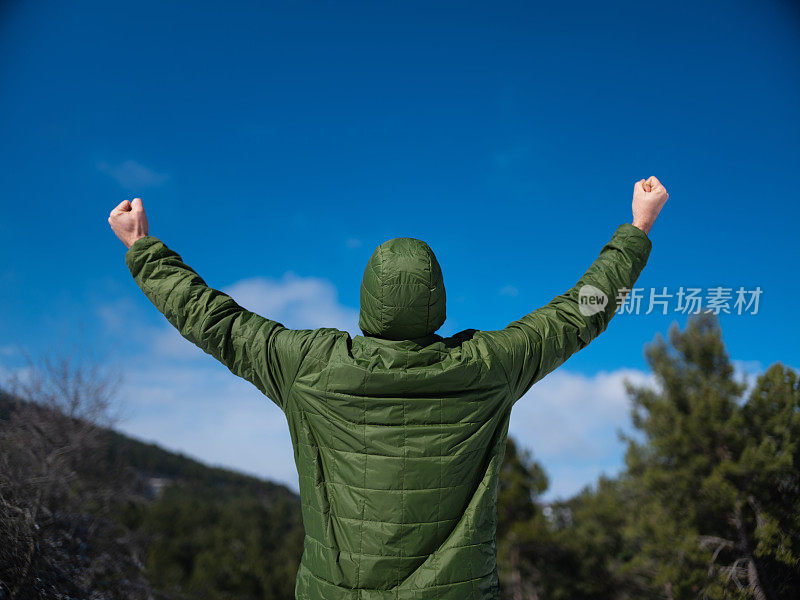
398, 434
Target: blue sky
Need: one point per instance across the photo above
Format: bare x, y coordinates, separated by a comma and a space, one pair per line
276, 144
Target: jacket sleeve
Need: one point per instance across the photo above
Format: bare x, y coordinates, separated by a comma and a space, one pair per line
262, 351
539, 342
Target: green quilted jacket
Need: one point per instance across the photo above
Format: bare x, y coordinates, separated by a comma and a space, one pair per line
398, 434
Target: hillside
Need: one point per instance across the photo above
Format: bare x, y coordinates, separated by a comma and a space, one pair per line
87, 511
153, 461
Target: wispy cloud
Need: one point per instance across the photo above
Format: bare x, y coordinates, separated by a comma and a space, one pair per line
298, 302
8, 350
509, 290
133, 175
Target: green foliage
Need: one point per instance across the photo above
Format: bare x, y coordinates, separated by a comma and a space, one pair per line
222, 546
716, 475
708, 506
213, 533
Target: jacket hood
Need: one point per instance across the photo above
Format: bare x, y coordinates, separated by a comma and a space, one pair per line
402, 292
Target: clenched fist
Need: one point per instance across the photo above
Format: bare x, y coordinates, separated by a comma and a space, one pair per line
649, 197
129, 221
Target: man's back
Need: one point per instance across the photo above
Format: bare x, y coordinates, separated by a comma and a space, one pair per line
399, 434
398, 446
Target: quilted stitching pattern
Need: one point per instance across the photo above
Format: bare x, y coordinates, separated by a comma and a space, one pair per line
399, 434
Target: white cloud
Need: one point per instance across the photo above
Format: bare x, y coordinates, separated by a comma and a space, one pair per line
570, 422
297, 302
132, 175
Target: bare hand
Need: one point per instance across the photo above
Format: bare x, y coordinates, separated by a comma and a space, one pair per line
129, 221
649, 197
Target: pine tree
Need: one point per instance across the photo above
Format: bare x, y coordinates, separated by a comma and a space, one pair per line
715, 476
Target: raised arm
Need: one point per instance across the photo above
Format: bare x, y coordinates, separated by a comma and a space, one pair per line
539, 342
260, 350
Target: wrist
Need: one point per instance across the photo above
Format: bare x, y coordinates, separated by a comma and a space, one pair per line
133, 239
643, 225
